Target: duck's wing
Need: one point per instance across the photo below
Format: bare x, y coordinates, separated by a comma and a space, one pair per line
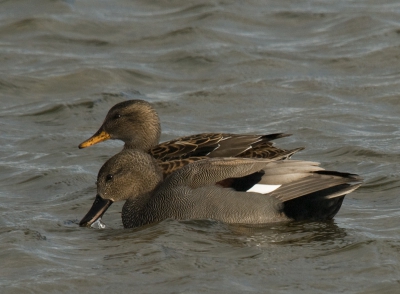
171, 150
171, 166
267, 150
221, 145
289, 179
316, 197
189, 146
316, 182
213, 170
298, 190
236, 145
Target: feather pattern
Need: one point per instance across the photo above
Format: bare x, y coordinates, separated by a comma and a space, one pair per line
215, 188
137, 124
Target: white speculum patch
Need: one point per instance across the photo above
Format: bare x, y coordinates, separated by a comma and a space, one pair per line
263, 189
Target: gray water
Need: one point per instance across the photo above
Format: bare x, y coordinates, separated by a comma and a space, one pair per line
327, 72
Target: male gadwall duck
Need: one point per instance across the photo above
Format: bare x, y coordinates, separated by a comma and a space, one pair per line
231, 190
136, 123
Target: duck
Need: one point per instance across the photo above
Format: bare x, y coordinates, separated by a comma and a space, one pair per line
137, 124
232, 190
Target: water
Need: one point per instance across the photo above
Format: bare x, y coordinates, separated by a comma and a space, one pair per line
325, 71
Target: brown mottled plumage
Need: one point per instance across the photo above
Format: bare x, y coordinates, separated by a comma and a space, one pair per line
137, 124
223, 189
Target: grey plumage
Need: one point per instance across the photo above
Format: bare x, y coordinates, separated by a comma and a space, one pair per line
215, 188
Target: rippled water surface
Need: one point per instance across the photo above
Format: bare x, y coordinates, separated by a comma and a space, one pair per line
326, 71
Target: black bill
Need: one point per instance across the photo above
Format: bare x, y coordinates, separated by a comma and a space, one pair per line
99, 207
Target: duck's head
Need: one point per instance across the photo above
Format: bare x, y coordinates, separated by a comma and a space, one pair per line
135, 122
130, 173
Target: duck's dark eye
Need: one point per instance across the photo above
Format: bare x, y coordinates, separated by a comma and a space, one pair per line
116, 116
109, 177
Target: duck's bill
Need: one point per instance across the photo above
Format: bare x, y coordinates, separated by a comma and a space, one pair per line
100, 136
99, 207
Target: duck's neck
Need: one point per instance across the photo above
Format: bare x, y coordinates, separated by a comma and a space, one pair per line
149, 177
145, 140
135, 212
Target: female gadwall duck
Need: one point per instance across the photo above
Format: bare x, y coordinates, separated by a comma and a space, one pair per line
231, 190
137, 124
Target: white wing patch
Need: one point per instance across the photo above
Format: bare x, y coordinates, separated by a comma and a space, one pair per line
263, 189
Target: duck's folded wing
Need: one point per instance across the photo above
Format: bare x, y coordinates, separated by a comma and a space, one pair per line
329, 184
231, 145
189, 146
180, 150
269, 151
258, 190
221, 145
316, 195
171, 166
214, 170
